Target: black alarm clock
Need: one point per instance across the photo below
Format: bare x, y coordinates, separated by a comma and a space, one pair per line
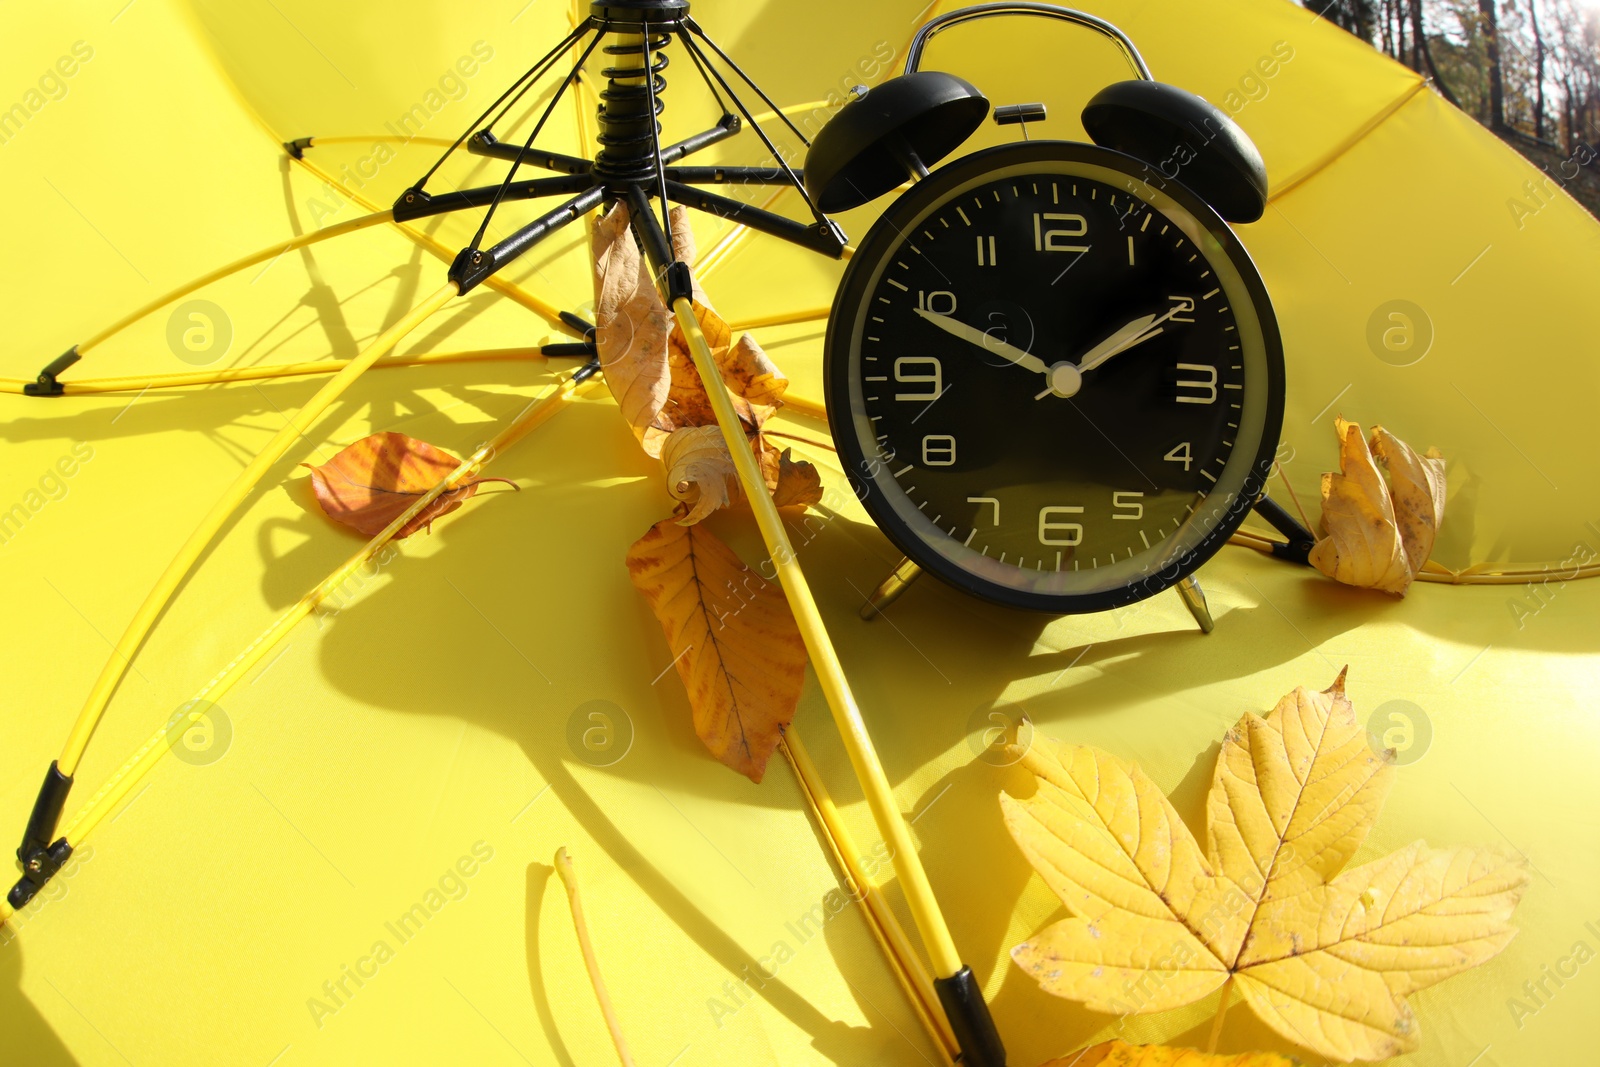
1052, 371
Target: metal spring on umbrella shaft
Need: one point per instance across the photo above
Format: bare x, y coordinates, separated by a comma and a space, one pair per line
628, 124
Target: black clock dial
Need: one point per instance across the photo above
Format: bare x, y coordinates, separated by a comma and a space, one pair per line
1055, 384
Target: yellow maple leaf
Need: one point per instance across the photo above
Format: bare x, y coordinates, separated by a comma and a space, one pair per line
1323, 957
732, 636
1120, 1054
1377, 534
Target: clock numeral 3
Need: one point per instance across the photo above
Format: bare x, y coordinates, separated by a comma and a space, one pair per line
1206, 388
905, 373
1052, 531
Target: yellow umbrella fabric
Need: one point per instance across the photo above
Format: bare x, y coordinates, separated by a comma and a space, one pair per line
428, 722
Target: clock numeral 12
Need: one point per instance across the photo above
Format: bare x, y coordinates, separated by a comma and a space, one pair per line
1057, 240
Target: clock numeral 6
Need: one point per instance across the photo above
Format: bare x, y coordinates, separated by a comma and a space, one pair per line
1054, 532
1206, 387
906, 370
939, 450
1058, 240
1129, 506
938, 302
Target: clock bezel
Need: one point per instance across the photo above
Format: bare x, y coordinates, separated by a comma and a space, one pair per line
845, 326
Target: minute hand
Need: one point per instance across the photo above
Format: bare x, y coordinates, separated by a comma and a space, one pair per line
986, 342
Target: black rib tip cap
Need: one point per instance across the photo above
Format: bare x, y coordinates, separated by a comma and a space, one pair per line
1156, 123
857, 156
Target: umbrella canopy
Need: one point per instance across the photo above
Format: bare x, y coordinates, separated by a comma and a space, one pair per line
400, 772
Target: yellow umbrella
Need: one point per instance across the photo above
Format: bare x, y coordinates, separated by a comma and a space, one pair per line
406, 733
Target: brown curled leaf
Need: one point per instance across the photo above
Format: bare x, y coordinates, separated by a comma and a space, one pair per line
631, 328
700, 471
1378, 533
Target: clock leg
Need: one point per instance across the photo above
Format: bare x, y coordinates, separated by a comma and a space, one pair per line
1194, 598
890, 588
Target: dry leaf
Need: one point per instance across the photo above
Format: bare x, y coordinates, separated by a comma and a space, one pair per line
631, 327
370, 483
700, 471
731, 634
1377, 534
1324, 958
688, 404
1120, 1054
798, 483
645, 356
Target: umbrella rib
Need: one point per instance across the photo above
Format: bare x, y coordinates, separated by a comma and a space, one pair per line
166, 586
120, 784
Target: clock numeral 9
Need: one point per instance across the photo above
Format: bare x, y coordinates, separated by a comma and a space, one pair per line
1056, 533
938, 302
905, 372
939, 450
1207, 388
1057, 240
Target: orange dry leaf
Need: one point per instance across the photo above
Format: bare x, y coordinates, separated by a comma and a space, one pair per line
798, 483
369, 484
732, 637
1323, 955
1119, 1054
1377, 534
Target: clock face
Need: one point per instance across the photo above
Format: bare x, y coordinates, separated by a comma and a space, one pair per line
1053, 384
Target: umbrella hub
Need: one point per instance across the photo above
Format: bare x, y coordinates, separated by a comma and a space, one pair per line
632, 100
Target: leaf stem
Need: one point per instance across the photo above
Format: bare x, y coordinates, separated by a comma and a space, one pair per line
1222, 1012
569, 875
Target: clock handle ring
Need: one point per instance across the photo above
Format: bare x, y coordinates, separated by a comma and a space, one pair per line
935, 26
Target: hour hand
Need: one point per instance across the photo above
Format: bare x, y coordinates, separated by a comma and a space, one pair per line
987, 342
1134, 333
